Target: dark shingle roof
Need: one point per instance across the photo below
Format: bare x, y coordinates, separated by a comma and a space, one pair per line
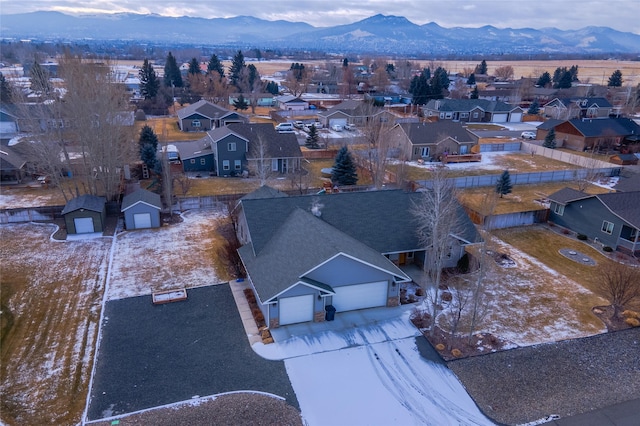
194, 149
567, 195
265, 191
353, 108
583, 102
628, 184
421, 133
549, 124
299, 244
87, 202
141, 196
380, 219
625, 205
10, 160
204, 108
278, 145
599, 127
464, 105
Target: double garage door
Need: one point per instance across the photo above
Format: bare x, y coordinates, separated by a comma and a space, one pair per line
361, 296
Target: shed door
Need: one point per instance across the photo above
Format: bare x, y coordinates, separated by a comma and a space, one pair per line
296, 309
84, 225
361, 296
142, 220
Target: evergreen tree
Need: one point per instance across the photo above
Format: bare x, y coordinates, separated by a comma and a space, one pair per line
616, 79
534, 108
344, 170
481, 68
544, 80
471, 80
240, 103
298, 71
312, 138
215, 65
172, 76
237, 66
420, 89
474, 93
503, 186
148, 147
149, 83
565, 81
550, 139
253, 76
272, 87
345, 63
194, 67
390, 69
6, 91
39, 78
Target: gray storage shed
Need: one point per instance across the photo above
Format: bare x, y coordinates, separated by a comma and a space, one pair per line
85, 214
141, 209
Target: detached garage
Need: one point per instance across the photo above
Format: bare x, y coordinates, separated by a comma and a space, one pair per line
86, 214
141, 209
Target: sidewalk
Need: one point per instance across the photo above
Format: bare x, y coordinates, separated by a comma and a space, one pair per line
623, 414
249, 324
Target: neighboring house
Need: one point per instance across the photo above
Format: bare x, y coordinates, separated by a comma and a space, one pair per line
431, 140
197, 156
141, 209
629, 183
12, 165
624, 159
270, 150
261, 99
578, 107
586, 134
229, 151
8, 123
203, 116
291, 103
611, 219
354, 112
390, 98
472, 110
85, 214
304, 253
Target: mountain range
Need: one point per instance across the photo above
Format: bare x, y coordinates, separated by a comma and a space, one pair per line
377, 34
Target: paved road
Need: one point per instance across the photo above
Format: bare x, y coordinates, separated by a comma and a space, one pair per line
623, 414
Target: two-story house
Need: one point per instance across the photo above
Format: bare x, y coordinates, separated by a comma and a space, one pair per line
203, 116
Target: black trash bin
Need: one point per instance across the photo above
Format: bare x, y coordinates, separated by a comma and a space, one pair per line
331, 312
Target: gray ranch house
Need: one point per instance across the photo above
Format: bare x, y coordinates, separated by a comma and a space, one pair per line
472, 110
307, 254
85, 214
203, 116
141, 209
431, 140
291, 103
578, 107
611, 219
355, 112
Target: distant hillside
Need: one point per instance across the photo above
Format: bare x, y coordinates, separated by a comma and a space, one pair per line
377, 34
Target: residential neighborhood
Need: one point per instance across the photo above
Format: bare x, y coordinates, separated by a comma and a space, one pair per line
280, 236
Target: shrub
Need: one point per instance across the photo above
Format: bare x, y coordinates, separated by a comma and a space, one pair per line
419, 292
421, 319
456, 353
581, 237
631, 314
565, 231
463, 263
412, 298
633, 322
440, 347
607, 249
259, 317
446, 296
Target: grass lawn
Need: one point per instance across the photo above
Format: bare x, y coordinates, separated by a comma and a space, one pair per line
522, 197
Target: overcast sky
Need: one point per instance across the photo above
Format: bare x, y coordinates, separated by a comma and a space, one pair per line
621, 15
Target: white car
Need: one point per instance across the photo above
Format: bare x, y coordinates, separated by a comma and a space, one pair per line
528, 135
336, 128
349, 126
284, 128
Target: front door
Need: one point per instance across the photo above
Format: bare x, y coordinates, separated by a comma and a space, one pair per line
402, 259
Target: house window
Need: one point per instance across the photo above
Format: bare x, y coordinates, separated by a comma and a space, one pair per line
475, 115
424, 151
464, 115
231, 146
225, 165
558, 209
203, 161
237, 164
448, 115
195, 123
442, 115
410, 255
193, 161
607, 227
274, 165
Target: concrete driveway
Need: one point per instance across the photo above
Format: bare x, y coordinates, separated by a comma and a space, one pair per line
370, 367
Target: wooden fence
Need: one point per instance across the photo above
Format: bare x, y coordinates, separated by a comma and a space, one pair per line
30, 214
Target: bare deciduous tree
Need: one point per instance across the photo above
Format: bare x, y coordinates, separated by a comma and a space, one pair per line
375, 133
261, 166
504, 73
437, 218
619, 284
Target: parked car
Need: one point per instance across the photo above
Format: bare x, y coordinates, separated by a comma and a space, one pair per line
44, 180
528, 135
284, 127
298, 124
349, 126
336, 128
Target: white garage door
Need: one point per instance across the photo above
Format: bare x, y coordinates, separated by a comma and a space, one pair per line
515, 117
296, 309
360, 296
499, 118
142, 220
84, 225
338, 121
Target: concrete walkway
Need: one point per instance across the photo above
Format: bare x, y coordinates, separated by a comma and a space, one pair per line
623, 414
249, 324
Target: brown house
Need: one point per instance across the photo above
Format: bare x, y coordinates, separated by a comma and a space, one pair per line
431, 141
586, 134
